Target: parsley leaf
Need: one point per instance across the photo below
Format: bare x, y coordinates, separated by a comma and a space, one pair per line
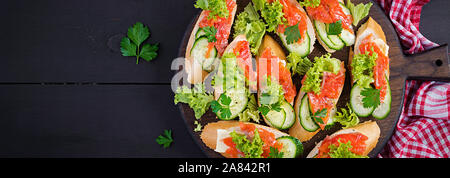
130, 45
165, 139
318, 115
266, 108
292, 34
222, 106
335, 28
274, 153
138, 33
371, 97
127, 48
148, 51
210, 33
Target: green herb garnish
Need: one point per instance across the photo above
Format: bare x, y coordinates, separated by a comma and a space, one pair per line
371, 97
166, 139
222, 106
130, 46
318, 115
335, 28
292, 34
274, 153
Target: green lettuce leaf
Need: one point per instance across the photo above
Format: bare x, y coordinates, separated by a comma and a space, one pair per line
343, 151
314, 75
251, 112
359, 11
362, 68
197, 98
298, 65
249, 23
310, 3
272, 13
217, 8
251, 149
346, 117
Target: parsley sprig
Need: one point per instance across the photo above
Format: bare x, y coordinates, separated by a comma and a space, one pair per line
166, 139
335, 28
130, 45
275, 153
318, 115
371, 97
210, 33
292, 34
222, 106
266, 108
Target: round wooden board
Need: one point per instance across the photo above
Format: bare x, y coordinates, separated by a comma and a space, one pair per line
433, 64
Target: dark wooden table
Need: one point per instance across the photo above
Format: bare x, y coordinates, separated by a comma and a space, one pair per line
65, 90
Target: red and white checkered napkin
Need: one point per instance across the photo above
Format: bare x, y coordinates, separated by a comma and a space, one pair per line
423, 127
424, 124
405, 16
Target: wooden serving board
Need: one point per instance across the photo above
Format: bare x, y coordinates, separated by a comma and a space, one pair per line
430, 65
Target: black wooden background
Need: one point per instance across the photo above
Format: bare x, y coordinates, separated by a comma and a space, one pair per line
66, 91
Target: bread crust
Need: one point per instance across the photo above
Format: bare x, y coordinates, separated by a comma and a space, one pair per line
195, 72
368, 128
297, 129
378, 33
209, 132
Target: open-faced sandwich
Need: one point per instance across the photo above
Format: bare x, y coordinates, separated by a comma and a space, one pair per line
276, 91
234, 79
354, 142
235, 139
333, 24
369, 65
209, 37
289, 21
316, 101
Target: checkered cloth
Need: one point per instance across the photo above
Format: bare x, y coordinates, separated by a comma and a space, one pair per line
405, 16
423, 127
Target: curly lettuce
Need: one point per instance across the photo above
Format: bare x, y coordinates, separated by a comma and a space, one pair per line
229, 74
216, 8
362, 68
298, 65
197, 98
346, 117
249, 23
343, 151
251, 149
271, 12
314, 75
310, 3
251, 112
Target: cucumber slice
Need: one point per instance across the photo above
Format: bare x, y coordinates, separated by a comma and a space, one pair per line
292, 147
336, 40
383, 110
321, 30
305, 116
347, 37
356, 102
276, 119
208, 64
303, 49
200, 48
238, 103
200, 32
290, 115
